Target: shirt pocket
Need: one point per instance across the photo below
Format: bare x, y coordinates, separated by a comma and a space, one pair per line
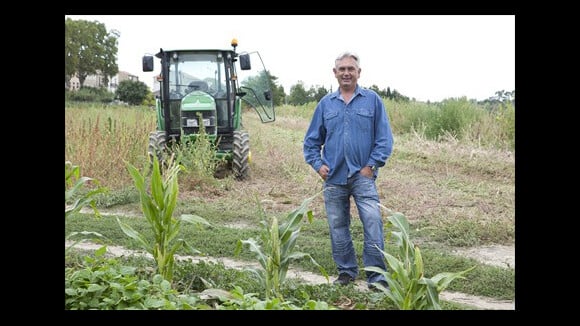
365, 119
331, 121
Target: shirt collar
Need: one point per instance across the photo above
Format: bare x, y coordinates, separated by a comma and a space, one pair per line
357, 91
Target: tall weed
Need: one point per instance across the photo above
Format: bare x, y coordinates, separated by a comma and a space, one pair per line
101, 139
198, 157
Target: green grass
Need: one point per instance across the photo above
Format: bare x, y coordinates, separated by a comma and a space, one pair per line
456, 191
220, 241
193, 277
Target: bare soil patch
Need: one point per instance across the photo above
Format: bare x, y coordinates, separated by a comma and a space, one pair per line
496, 255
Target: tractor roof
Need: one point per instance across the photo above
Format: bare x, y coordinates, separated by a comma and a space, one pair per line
158, 55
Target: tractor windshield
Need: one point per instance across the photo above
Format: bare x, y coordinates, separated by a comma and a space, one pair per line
195, 71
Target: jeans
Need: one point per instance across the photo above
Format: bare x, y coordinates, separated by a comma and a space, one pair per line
337, 203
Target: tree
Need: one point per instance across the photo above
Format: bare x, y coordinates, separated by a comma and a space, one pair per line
298, 95
89, 49
132, 91
278, 93
504, 96
320, 92
310, 94
375, 88
382, 93
264, 81
399, 97
71, 50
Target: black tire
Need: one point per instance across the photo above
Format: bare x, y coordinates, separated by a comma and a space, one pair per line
157, 146
241, 155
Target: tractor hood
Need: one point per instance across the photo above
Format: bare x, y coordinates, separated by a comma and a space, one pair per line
197, 101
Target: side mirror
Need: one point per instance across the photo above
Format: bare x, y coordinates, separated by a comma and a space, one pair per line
245, 62
147, 63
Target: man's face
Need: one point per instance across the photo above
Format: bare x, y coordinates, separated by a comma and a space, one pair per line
346, 72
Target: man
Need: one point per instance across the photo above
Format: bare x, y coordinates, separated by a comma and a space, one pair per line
348, 140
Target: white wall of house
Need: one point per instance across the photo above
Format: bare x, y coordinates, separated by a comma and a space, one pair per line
74, 83
114, 84
99, 81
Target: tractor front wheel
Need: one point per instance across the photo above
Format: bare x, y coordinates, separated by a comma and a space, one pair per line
241, 155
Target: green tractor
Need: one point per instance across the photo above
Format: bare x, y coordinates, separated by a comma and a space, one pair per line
201, 91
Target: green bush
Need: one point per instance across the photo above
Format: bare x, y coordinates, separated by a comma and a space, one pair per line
89, 94
132, 92
453, 117
104, 284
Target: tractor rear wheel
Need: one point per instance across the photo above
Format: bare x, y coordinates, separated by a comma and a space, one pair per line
157, 145
241, 155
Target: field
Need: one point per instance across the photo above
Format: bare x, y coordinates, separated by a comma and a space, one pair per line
457, 191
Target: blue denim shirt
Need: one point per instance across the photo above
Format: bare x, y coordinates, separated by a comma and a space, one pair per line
348, 137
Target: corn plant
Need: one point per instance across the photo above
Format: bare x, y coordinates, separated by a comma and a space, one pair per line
158, 204
409, 289
73, 184
278, 249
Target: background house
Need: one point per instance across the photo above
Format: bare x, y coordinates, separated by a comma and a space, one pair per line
98, 81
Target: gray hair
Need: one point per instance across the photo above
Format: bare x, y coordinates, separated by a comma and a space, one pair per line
347, 55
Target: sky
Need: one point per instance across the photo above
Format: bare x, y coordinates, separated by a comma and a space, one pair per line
425, 57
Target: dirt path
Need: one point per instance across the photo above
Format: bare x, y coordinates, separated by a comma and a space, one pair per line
476, 302
496, 255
